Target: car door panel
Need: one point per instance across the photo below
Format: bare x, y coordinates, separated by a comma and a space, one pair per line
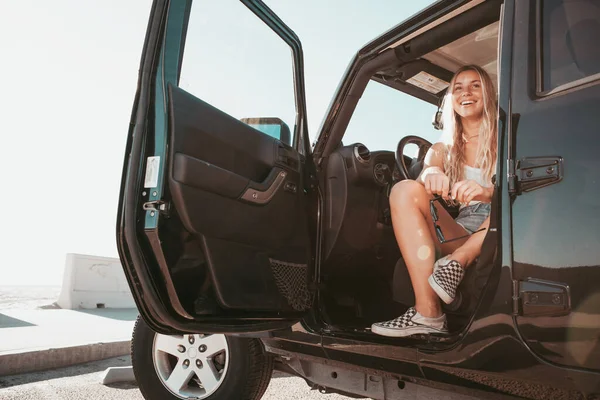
225, 141
199, 174
217, 158
227, 204
214, 165
256, 285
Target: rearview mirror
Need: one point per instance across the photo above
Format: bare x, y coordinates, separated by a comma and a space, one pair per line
271, 126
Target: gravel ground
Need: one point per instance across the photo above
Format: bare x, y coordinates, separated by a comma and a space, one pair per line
82, 382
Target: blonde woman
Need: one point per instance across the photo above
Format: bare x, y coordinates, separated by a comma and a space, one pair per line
459, 169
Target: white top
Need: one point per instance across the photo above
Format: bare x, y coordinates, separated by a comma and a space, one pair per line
475, 174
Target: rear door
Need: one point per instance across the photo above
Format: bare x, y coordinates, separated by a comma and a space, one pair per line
556, 207
214, 215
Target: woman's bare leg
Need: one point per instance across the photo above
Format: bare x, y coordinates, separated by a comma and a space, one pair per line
413, 227
470, 250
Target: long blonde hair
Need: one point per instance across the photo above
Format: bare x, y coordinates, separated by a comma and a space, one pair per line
454, 161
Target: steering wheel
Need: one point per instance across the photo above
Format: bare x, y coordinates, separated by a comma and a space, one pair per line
417, 163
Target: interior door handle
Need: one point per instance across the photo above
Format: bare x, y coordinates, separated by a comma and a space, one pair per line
258, 196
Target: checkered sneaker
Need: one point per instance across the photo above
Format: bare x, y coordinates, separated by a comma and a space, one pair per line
447, 275
409, 323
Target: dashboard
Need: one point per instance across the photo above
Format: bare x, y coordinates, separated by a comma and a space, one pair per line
364, 165
357, 212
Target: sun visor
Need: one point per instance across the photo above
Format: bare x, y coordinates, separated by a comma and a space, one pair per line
419, 78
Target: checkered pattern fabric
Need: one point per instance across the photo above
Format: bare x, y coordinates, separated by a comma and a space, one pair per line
410, 323
403, 321
448, 276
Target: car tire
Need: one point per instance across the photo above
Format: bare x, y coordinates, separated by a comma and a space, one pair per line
240, 367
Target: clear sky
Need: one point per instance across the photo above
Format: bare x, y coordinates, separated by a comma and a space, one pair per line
69, 73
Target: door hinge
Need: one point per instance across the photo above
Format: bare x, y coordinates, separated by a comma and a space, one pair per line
511, 178
538, 298
162, 207
532, 173
516, 299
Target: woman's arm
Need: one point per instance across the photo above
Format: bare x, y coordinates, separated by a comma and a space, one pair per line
433, 176
469, 190
434, 161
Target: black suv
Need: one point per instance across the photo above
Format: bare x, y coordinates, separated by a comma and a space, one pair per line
239, 226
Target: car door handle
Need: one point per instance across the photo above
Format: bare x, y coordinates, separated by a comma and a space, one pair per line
262, 193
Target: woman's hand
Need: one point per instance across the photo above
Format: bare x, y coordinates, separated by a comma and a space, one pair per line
436, 182
468, 190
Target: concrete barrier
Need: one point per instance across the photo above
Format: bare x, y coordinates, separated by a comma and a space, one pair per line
45, 359
118, 375
94, 282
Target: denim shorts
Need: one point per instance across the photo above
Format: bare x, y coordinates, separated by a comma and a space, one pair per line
471, 217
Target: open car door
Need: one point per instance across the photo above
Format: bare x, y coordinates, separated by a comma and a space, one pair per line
215, 207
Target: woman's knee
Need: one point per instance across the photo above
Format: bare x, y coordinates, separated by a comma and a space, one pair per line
407, 192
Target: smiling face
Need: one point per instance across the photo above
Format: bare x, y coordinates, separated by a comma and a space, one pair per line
467, 95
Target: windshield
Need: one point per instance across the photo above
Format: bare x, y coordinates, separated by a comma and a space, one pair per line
385, 115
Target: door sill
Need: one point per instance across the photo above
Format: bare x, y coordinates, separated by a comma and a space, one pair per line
364, 334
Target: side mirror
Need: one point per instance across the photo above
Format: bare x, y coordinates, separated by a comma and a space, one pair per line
271, 126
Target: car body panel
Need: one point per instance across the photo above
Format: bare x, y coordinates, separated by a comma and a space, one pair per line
555, 228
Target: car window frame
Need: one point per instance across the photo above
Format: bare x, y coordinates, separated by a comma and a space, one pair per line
568, 87
300, 139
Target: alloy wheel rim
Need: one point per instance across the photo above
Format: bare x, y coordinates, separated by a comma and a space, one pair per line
191, 366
